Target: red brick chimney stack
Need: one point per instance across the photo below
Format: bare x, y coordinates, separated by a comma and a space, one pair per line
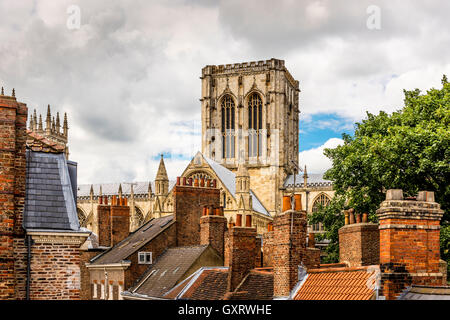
13, 123
190, 203
289, 246
359, 243
409, 238
242, 249
212, 230
113, 221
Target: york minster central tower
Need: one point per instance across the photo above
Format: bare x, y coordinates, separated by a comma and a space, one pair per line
250, 116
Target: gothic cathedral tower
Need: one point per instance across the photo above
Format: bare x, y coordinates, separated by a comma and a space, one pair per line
250, 115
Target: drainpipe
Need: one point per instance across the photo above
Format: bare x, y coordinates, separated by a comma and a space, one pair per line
28, 242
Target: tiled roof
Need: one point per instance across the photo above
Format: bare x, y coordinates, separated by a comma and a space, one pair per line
49, 200
313, 180
134, 241
257, 285
211, 284
205, 284
169, 269
338, 284
39, 143
426, 293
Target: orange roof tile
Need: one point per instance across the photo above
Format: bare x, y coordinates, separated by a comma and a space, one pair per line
339, 284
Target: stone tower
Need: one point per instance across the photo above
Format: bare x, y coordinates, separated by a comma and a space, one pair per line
250, 114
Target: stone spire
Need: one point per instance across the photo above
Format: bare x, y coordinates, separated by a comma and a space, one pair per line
53, 125
31, 122
58, 124
244, 197
161, 180
65, 125
48, 121
305, 177
40, 124
34, 120
3, 91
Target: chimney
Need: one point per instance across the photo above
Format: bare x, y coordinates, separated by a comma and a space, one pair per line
113, 222
289, 247
189, 202
242, 249
212, 230
409, 237
359, 243
267, 246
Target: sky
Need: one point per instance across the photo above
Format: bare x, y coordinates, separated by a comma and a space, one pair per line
128, 73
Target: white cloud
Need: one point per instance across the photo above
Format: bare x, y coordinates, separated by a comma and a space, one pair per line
129, 76
315, 160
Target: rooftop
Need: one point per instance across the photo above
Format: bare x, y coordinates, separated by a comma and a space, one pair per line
134, 241
49, 200
338, 284
416, 292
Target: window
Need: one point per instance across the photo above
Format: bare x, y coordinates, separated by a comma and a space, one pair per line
145, 258
254, 125
81, 217
228, 126
321, 201
139, 216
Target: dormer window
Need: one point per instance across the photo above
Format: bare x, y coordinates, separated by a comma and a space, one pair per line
145, 258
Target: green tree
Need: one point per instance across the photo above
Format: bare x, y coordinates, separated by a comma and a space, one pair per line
408, 149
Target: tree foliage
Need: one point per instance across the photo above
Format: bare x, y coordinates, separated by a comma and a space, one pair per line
408, 149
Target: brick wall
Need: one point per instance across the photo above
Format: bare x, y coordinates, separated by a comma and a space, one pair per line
104, 225
85, 280
359, 244
55, 271
289, 250
120, 223
409, 241
242, 247
188, 206
312, 259
113, 224
13, 119
212, 231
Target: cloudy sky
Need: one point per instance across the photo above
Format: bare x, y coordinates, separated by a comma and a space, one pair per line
128, 77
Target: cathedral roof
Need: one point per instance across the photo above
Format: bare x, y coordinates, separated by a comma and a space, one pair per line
228, 179
108, 189
313, 180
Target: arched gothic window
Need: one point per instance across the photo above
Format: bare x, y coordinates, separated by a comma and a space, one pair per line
228, 126
139, 216
81, 217
254, 125
322, 200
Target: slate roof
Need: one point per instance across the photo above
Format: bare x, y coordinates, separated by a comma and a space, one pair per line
49, 201
169, 269
134, 241
314, 180
108, 189
210, 283
338, 284
257, 285
228, 178
416, 292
